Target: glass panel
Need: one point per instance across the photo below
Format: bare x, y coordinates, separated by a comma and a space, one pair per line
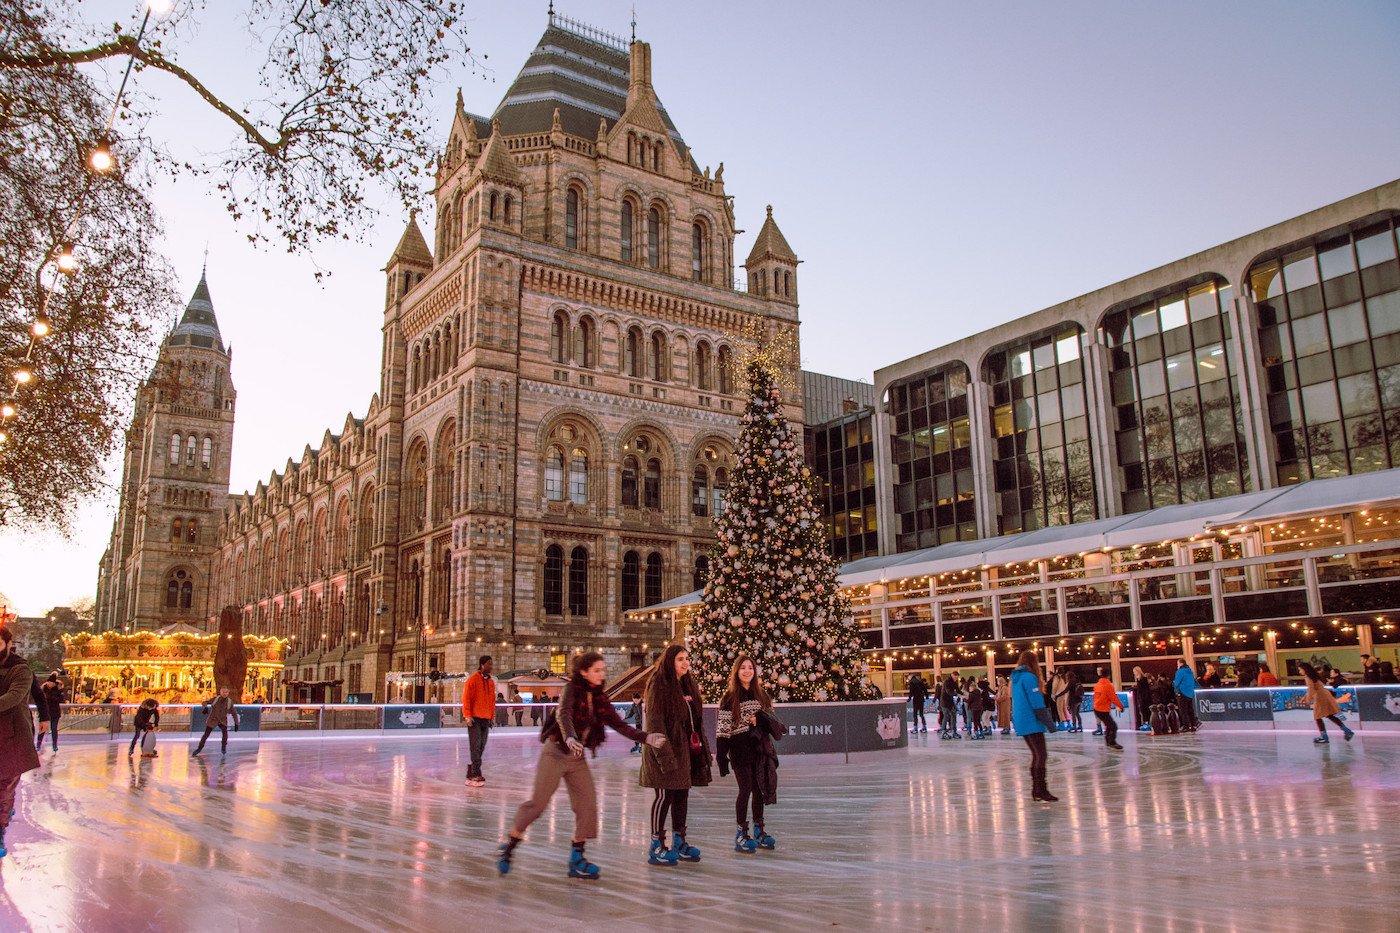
1020, 363
1348, 324
1067, 348
1309, 335
1358, 395
1044, 356
1173, 314
1201, 302
1320, 404
1375, 249
1383, 312
1181, 371
1265, 282
1144, 322
1210, 363
1299, 270
1151, 380
1336, 260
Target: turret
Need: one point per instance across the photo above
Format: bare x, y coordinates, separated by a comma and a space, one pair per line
772, 265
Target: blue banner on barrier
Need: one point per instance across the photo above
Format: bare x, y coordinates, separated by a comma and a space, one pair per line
1379, 703
412, 717
1250, 704
249, 719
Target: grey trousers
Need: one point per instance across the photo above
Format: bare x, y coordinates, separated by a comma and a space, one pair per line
556, 765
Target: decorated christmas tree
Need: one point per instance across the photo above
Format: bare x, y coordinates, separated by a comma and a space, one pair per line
772, 592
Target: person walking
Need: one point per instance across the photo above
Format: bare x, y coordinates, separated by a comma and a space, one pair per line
918, 696
1004, 704
52, 692
634, 716
739, 736
147, 719
576, 729
1105, 702
1026, 700
217, 710
479, 709
17, 754
673, 708
1185, 686
1324, 704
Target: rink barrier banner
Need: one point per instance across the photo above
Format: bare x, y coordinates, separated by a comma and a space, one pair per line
841, 728
1368, 706
1245, 704
412, 717
249, 719
1126, 718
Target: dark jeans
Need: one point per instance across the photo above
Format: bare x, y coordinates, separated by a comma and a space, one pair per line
223, 738
747, 776
674, 802
1186, 706
135, 738
917, 717
477, 732
1110, 728
53, 736
1035, 741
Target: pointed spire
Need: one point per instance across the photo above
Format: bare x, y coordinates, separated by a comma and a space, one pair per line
770, 243
460, 105
198, 327
412, 247
496, 161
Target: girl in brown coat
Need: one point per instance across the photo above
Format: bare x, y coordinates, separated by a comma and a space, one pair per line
17, 754
673, 708
1324, 704
1004, 704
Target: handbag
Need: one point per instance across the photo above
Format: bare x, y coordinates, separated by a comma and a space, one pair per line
1043, 714
695, 744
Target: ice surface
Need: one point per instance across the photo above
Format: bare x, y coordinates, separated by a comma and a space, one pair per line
1241, 831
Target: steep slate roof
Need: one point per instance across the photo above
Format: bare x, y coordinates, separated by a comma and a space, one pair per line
412, 247
770, 242
496, 161
198, 327
584, 78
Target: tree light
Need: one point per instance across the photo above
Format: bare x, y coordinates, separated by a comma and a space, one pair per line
67, 262
7, 410
40, 328
22, 376
101, 156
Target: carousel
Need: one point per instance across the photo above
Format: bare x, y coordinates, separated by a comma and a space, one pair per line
174, 664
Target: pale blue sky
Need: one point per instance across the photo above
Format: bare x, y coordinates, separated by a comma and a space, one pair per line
940, 168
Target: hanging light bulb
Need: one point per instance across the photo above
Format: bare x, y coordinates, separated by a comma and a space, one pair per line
100, 158
7, 410
22, 376
40, 328
67, 262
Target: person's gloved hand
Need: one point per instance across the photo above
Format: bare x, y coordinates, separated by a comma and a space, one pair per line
656, 740
576, 748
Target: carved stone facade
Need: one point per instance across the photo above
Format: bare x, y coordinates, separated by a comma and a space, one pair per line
557, 408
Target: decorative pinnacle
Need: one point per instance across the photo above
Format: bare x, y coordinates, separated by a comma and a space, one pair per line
634, 22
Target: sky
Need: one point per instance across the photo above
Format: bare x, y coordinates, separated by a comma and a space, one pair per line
939, 167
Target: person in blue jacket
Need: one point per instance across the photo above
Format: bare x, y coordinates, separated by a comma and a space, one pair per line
1026, 698
1185, 684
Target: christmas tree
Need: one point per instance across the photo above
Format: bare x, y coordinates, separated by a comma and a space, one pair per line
772, 592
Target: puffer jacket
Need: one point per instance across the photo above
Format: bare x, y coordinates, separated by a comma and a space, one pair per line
1026, 698
17, 754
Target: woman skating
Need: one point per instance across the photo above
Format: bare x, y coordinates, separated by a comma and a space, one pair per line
1324, 704
673, 708
1004, 705
1026, 698
739, 735
583, 712
17, 754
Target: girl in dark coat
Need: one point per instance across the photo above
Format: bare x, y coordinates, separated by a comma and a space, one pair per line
738, 735
147, 719
673, 708
16, 754
583, 712
53, 704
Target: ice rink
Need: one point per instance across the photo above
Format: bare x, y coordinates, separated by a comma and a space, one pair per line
1239, 831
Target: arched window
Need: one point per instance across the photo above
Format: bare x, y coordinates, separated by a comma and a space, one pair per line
559, 338
631, 581
177, 528
653, 580
777, 290
633, 360
507, 209
726, 378
187, 594
585, 344
206, 456
190, 443
578, 582
192, 531
172, 594
491, 211
626, 231
702, 572
702, 365
417, 370
578, 477
554, 475
658, 356
175, 449
654, 238
699, 492
787, 283
571, 217
651, 486
554, 580
719, 495
697, 253
629, 483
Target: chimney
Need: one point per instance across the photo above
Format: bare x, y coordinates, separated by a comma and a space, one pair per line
639, 74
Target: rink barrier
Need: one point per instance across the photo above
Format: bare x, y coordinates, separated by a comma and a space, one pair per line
813, 728
1366, 708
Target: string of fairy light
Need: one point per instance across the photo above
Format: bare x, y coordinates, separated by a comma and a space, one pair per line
100, 159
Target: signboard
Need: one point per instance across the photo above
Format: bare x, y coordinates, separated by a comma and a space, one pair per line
1291, 704
1249, 704
249, 719
835, 728
413, 717
1379, 703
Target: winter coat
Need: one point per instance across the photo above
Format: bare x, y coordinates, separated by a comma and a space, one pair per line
583, 712
1105, 697
1142, 692
53, 700
219, 707
41, 703
1162, 693
672, 766
146, 719
1004, 704
918, 691
1324, 704
479, 698
1185, 682
17, 754
1026, 698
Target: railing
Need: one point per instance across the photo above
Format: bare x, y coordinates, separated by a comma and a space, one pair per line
1334, 580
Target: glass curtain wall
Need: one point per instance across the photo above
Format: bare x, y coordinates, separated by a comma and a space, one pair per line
1043, 470
843, 453
931, 450
1329, 337
1180, 425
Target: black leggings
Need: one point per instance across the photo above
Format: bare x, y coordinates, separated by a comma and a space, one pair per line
1076, 714
1035, 741
1322, 724
917, 716
675, 802
747, 776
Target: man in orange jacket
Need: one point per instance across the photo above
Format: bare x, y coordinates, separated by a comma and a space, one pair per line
479, 708
1105, 701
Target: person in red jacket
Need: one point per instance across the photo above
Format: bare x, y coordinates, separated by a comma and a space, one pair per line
1105, 702
479, 708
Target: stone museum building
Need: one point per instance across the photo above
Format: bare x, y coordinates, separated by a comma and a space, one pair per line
554, 423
